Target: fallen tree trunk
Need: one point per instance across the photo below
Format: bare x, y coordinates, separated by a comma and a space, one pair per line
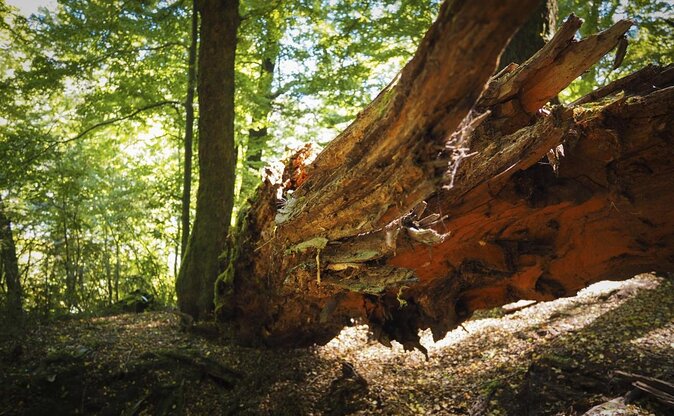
449, 193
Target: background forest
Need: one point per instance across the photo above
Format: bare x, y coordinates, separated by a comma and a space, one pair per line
96, 122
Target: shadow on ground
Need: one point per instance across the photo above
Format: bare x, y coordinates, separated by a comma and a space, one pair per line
551, 358
573, 372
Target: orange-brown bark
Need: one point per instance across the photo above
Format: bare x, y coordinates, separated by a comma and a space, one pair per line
445, 197
379, 161
533, 233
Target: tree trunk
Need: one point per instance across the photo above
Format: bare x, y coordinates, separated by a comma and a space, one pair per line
79, 267
108, 275
10, 268
217, 157
47, 289
107, 266
455, 190
118, 270
258, 135
189, 129
71, 286
532, 35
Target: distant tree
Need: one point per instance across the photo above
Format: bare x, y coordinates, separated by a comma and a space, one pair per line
10, 268
263, 28
91, 96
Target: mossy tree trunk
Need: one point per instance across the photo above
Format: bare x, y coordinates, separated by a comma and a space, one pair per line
459, 188
217, 157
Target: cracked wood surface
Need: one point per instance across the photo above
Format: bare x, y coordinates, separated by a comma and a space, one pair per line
402, 251
379, 161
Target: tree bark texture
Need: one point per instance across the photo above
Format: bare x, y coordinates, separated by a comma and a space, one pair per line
217, 157
532, 35
459, 189
71, 278
10, 268
189, 131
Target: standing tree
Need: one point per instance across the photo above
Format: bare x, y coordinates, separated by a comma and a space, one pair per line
189, 132
89, 99
217, 157
449, 192
9, 268
269, 30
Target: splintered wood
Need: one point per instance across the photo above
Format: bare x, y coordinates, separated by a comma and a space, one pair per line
414, 237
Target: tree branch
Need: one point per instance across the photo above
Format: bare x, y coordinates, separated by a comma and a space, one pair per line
88, 130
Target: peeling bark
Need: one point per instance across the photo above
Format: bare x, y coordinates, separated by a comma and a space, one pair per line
382, 160
456, 190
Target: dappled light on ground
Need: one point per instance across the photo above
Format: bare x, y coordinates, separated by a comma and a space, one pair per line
548, 358
492, 355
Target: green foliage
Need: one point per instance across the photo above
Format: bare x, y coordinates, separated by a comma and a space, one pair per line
91, 126
91, 118
329, 59
338, 55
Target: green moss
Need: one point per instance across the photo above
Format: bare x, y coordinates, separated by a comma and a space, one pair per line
318, 243
357, 257
224, 284
490, 387
375, 282
386, 98
562, 360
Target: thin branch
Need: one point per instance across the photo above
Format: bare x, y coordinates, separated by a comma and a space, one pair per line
103, 124
121, 52
261, 11
121, 118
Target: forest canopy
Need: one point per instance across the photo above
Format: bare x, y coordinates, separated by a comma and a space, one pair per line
93, 117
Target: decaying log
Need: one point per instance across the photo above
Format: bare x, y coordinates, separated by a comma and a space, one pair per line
661, 390
207, 366
381, 159
541, 235
645, 79
456, 190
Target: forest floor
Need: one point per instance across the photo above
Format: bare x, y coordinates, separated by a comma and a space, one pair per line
548, 359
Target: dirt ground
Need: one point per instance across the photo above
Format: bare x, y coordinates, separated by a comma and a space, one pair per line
553, 358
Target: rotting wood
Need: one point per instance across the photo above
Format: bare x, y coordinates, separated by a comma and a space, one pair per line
558, 63
661, 390
403, 250
381, 160
646, 79
224, 375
